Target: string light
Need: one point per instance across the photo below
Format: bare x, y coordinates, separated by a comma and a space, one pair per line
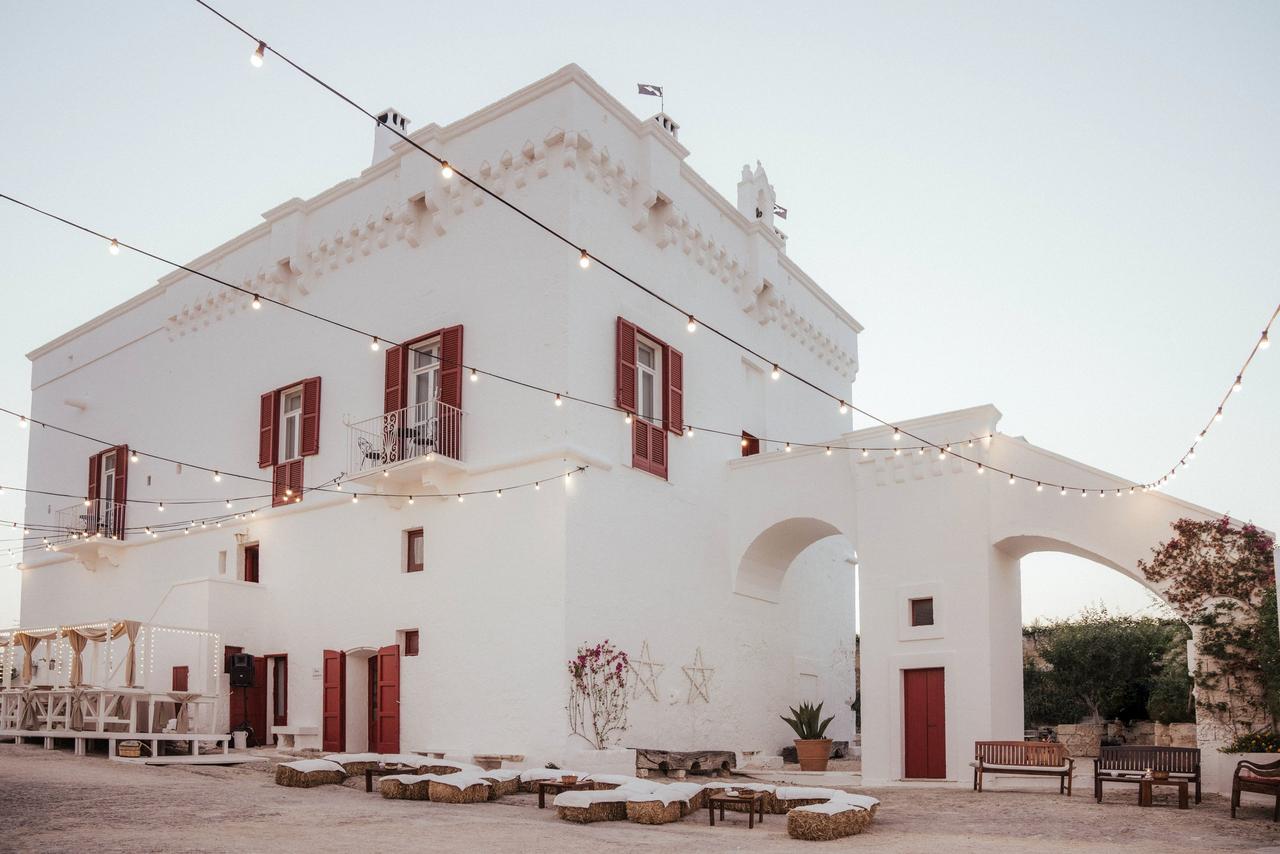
1064, 491
828, 451
22, 422
537, 486
257, 303
1217, 416
844, 408
259, 54
114, 247
217, 477
446, 171
474, 376
981, 468
777, 372
498, 493
410, 499
1039, 486
1235, 387
286, 492
355, 499
897, 452
584, 260
897, 434
1265, 342
375, 345
160, 507
688, 431
559, 401
692, 325
1012, 480
744, 442
133, 457
461, 498
627, 418
787, 448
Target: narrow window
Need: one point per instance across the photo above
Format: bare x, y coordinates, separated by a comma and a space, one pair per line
922, 612
291, 424
750, 444
648, 380
411, 642
413, 560
251, 563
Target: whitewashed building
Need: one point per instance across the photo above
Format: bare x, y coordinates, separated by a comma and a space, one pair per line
434, 623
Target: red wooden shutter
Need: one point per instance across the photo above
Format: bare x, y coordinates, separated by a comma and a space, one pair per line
657, 451
389, 699
267, 429
293, 478
122, 489
333, 731
448, 430
451, 366
310, 416
279, 483
625, 366
393, 389
675, 390
640, 444
95, 465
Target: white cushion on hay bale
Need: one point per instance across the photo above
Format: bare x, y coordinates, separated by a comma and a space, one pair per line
663, 804
586, 805
306, 773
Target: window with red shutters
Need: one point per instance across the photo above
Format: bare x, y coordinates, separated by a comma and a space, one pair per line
107, 492
287, 474
430, 424
649, 431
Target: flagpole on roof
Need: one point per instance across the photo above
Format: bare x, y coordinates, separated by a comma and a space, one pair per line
655, 90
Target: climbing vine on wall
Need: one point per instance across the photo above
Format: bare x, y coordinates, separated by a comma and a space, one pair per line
1220, 577
598, 692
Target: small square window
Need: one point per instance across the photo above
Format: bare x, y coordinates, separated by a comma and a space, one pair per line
413, 552
411, 642
922, 612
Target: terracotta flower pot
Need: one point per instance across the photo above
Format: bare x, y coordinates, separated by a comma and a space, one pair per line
812, 753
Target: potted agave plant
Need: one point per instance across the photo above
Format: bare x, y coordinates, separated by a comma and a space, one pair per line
812, 748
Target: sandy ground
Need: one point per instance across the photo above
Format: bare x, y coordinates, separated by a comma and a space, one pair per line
53, 801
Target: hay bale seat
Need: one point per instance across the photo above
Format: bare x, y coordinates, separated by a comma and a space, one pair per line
664, 804
585, 806
531, 777
770, 804
825, 821
614, 781
693, 796
405, 787
787, 798
502, 781
307, 773
457, 789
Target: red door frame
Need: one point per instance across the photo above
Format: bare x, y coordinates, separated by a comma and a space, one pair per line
371, 714
279, 678
924, 731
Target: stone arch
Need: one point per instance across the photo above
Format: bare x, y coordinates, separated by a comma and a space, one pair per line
765, 562
1018, 546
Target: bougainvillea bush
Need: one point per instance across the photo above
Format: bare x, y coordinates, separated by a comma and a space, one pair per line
1220, 576
598, 692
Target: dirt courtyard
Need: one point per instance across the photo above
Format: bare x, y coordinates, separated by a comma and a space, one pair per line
54, 801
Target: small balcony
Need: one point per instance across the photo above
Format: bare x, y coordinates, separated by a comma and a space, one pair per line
422, 432
99, 516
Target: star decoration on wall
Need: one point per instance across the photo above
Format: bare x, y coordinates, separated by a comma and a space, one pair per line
646, 671
699, 676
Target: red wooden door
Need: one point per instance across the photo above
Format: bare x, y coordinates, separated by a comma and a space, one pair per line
925, 730
333, 737
389, 699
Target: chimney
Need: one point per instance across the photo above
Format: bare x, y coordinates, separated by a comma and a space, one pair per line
383, 135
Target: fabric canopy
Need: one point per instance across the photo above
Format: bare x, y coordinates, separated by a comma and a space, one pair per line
28, 641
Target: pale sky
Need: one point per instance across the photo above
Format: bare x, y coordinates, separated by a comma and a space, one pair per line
1068, 210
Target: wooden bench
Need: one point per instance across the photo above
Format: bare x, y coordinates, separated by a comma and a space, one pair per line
1028, 758
1129, 764
1262, 778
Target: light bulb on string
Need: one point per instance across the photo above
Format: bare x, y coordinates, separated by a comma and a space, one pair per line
410, 499
133, 457
897, 452
474, 376
537, 486
1235, 387
1217, 416
114, 246
22, 422
828, 451
259, 53
584, 260
559, 401
692, 325
744, 441
217, 477
1012, 480
257, 303
1265, 341
446, 171
355, 499
498, 493
787, 448
981, 468
160, 507
627, 418
461, 498
375, 345
1039, 486
897, 435
286, 492
920, 451
777, 372
844, 408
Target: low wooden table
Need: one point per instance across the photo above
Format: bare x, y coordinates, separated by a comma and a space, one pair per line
383, 771
558, 786
1146, 784
753, 799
